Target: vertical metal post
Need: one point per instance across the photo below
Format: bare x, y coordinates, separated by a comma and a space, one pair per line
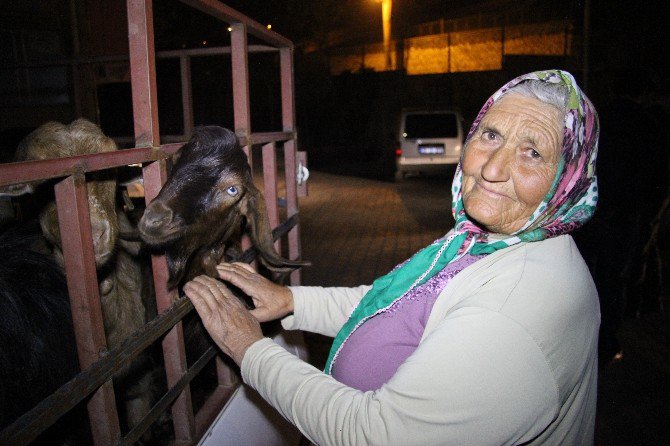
290, 150
239, 56
174, 353
82, 282
186, 94
145, 113
270, 186
241, 96
143, 72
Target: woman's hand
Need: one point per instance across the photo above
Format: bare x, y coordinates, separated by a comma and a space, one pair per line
272, 301
225, 317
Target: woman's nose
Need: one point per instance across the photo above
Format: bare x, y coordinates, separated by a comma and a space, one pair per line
497, 166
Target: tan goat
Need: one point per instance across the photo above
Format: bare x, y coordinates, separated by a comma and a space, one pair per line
119, 273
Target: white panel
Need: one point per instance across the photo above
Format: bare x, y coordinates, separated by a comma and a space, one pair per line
247, 420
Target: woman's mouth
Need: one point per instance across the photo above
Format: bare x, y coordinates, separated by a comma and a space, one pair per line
490, 192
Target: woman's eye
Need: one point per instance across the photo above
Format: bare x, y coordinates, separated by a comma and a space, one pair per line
533, 153
489, 136
232, 191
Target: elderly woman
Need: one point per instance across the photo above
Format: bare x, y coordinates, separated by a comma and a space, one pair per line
488, 336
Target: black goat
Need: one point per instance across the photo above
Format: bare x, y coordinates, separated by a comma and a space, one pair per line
37, 347
207, 203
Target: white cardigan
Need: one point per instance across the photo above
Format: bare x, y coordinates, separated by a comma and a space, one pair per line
509, 356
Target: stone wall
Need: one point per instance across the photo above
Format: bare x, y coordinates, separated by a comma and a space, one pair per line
454, 52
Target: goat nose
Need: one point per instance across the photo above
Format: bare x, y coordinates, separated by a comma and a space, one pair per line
156, 215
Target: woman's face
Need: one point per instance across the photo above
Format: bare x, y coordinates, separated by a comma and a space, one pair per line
510, 162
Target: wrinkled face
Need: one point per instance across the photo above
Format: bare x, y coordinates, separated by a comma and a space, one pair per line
510, 162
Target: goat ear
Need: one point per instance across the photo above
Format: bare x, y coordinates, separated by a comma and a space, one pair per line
258, 226
16, 190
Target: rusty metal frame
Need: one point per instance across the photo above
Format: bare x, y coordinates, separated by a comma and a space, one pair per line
74, 223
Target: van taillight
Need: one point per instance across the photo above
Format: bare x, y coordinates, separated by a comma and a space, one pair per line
398, 152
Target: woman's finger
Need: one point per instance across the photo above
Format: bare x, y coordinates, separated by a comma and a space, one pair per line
245, 266
201, 297
217, 289
235, 274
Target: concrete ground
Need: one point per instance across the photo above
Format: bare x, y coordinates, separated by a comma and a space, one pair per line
356, 229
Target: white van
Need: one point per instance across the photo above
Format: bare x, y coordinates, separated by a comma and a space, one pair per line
430, 140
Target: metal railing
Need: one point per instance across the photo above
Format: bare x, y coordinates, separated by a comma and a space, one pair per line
94, 382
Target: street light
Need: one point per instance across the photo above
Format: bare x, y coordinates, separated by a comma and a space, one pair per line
386, 29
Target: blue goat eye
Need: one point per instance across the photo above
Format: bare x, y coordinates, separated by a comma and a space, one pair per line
232, 191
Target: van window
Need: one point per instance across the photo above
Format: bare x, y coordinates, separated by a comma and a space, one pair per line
431, 125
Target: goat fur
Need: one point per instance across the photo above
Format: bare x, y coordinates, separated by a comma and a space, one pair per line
119, 273
37, 349
205, 206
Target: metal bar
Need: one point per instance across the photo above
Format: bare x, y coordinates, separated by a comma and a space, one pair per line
212, 51
240, 71
256, 138
82, 282
11, 173
186, 94
226, 378
250, 254
270, 186
143, 72
294, 248
265, 137
145, 111
212, 407
241, 104
174, 352
290, 150
242, 122
225, 13
287, 89
31, 424
49, 410
162, 404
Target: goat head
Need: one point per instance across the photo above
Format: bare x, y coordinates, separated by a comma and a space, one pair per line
56, 140
207, 203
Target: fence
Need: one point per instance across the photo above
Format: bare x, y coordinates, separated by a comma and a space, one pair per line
94, 382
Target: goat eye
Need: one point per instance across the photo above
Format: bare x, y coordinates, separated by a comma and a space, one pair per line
232, 191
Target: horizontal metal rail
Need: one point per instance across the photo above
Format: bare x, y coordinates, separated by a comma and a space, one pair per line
265, 137
167, 54
227, 14
164, 403
12, 173
31, 424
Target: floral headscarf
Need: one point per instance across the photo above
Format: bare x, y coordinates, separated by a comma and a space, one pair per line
570, 203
